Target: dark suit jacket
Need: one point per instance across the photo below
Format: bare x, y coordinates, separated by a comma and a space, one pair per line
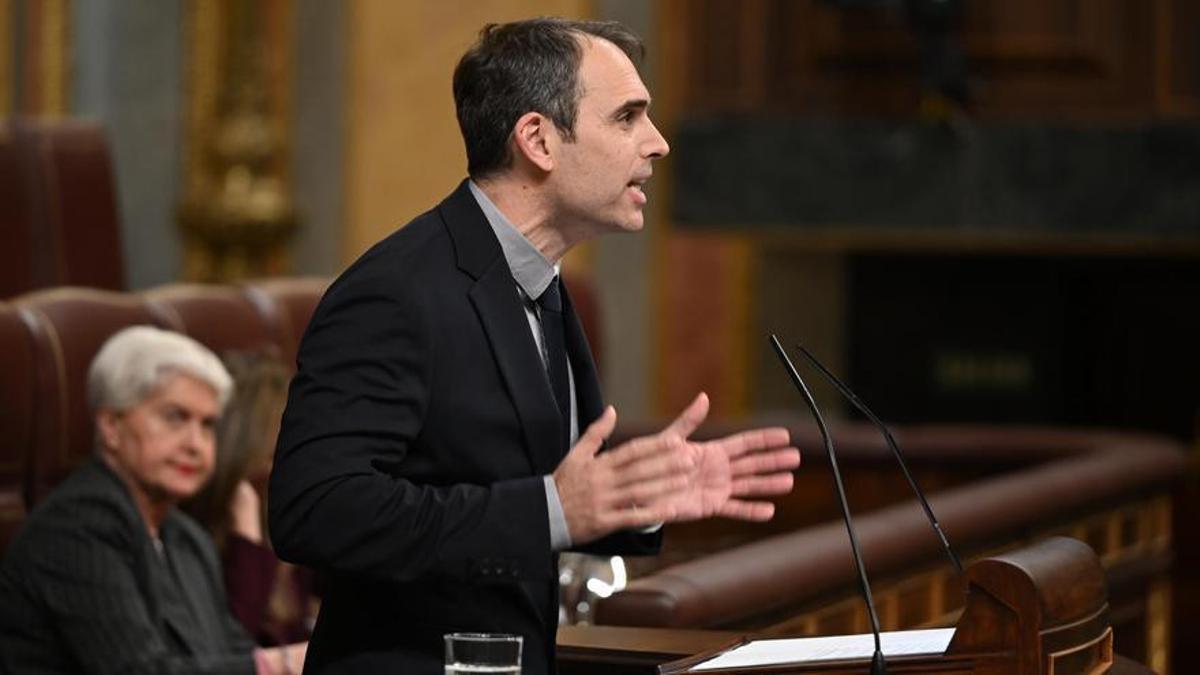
410, 461
83, 590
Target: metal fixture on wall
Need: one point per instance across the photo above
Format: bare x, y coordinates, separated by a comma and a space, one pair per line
237, 214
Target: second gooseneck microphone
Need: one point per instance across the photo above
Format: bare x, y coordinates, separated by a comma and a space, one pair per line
878, 664
891, 442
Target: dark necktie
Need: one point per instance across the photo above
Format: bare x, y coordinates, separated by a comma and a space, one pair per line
550, 302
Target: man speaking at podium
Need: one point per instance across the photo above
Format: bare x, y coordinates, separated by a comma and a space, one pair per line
444, 433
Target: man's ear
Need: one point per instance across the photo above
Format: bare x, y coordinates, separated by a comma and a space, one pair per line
532, 136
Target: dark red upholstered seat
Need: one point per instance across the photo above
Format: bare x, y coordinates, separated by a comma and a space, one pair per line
16, 419
220, 317
64, 196
18, 265
287, 305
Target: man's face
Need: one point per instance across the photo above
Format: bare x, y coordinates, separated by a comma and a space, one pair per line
164, 447
598, 177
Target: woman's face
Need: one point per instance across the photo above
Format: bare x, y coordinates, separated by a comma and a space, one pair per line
165, 445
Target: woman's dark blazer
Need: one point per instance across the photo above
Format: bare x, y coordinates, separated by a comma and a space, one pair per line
83, 589
410, 462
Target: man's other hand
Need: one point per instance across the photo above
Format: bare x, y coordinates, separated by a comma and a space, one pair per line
729, 473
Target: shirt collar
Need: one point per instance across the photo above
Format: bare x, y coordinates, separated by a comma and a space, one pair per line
532, 272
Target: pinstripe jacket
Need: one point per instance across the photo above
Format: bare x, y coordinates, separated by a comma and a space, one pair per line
83, 589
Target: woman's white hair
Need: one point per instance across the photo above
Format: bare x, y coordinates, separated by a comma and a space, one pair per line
136, 361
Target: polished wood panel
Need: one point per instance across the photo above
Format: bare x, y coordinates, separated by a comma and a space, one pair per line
1039, 610
1088, 59
1178, 66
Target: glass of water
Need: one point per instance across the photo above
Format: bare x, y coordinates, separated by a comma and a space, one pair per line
483, 653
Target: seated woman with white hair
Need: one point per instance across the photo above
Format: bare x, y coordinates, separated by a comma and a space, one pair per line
108, 575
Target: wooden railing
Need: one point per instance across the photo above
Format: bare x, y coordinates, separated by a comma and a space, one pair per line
996, 490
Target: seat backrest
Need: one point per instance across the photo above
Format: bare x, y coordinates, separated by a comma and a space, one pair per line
18, 263
16, 420
221, 318
68, 326
78, 198
76, 227
287, 305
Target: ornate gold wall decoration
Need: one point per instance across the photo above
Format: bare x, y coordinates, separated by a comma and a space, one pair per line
54, 47
41, 31
237, 215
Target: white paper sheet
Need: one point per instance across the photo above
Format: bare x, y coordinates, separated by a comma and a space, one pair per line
832, 648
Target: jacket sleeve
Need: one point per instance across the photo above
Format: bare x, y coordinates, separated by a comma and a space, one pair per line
624, 543
355, 409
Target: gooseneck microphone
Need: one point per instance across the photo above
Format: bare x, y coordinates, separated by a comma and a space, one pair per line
891, 442
878, 664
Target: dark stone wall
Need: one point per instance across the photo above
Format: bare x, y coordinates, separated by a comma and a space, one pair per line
986, 177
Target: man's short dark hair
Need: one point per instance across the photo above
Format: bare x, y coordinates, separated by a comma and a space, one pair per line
520, 67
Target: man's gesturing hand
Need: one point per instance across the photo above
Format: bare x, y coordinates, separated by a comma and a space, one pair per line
728, 472
666, 477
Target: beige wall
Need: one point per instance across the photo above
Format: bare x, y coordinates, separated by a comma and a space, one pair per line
403, 151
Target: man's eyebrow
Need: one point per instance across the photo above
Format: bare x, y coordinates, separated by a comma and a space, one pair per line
632, 104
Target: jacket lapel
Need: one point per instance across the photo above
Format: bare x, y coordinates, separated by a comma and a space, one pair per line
495, 299
194, 585
498, 305
175, 609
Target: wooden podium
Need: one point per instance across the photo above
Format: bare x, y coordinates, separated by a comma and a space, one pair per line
1042, 610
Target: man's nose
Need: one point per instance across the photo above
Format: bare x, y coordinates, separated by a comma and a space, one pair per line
656, 145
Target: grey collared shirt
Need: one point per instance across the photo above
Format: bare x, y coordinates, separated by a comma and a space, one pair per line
533, 273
